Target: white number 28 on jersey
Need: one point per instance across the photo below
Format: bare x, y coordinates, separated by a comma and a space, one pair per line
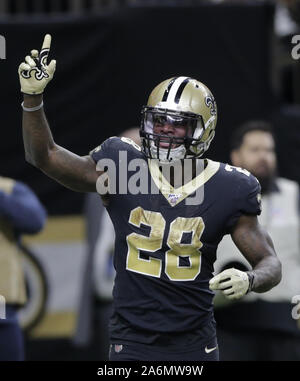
154, 241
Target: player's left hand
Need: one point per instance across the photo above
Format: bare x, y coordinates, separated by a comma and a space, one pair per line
232, 283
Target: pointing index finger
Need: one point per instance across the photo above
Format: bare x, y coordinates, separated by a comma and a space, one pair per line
47, 42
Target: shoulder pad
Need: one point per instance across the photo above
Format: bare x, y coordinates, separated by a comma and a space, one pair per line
131, 142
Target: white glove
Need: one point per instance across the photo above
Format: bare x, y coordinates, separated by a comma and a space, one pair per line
34, 73
232, 282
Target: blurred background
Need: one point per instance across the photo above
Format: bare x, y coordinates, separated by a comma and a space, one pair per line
110, 54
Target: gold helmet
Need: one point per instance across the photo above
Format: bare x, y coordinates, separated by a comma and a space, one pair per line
179, 101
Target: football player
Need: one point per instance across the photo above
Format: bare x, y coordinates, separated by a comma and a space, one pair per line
167, 234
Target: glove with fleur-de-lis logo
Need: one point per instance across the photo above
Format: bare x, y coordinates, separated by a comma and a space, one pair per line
35, 73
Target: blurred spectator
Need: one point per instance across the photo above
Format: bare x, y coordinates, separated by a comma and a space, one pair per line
20, 212
96, 296
261, 326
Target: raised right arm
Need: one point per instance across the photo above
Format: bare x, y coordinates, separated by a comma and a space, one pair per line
75, 172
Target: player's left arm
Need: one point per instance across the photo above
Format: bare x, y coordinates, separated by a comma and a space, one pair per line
257, 247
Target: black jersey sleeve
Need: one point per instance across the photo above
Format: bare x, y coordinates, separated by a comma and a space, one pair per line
106, 150
111, 147
247, 199
249, 196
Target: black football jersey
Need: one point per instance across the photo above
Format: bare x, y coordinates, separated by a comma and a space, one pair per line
165, 246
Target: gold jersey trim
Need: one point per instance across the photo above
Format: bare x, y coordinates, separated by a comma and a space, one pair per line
180, 193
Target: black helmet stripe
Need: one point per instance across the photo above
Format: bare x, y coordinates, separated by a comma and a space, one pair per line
166, 93
180, 89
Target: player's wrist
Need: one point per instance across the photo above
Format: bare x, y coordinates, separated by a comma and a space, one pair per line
251, 281
32, 100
